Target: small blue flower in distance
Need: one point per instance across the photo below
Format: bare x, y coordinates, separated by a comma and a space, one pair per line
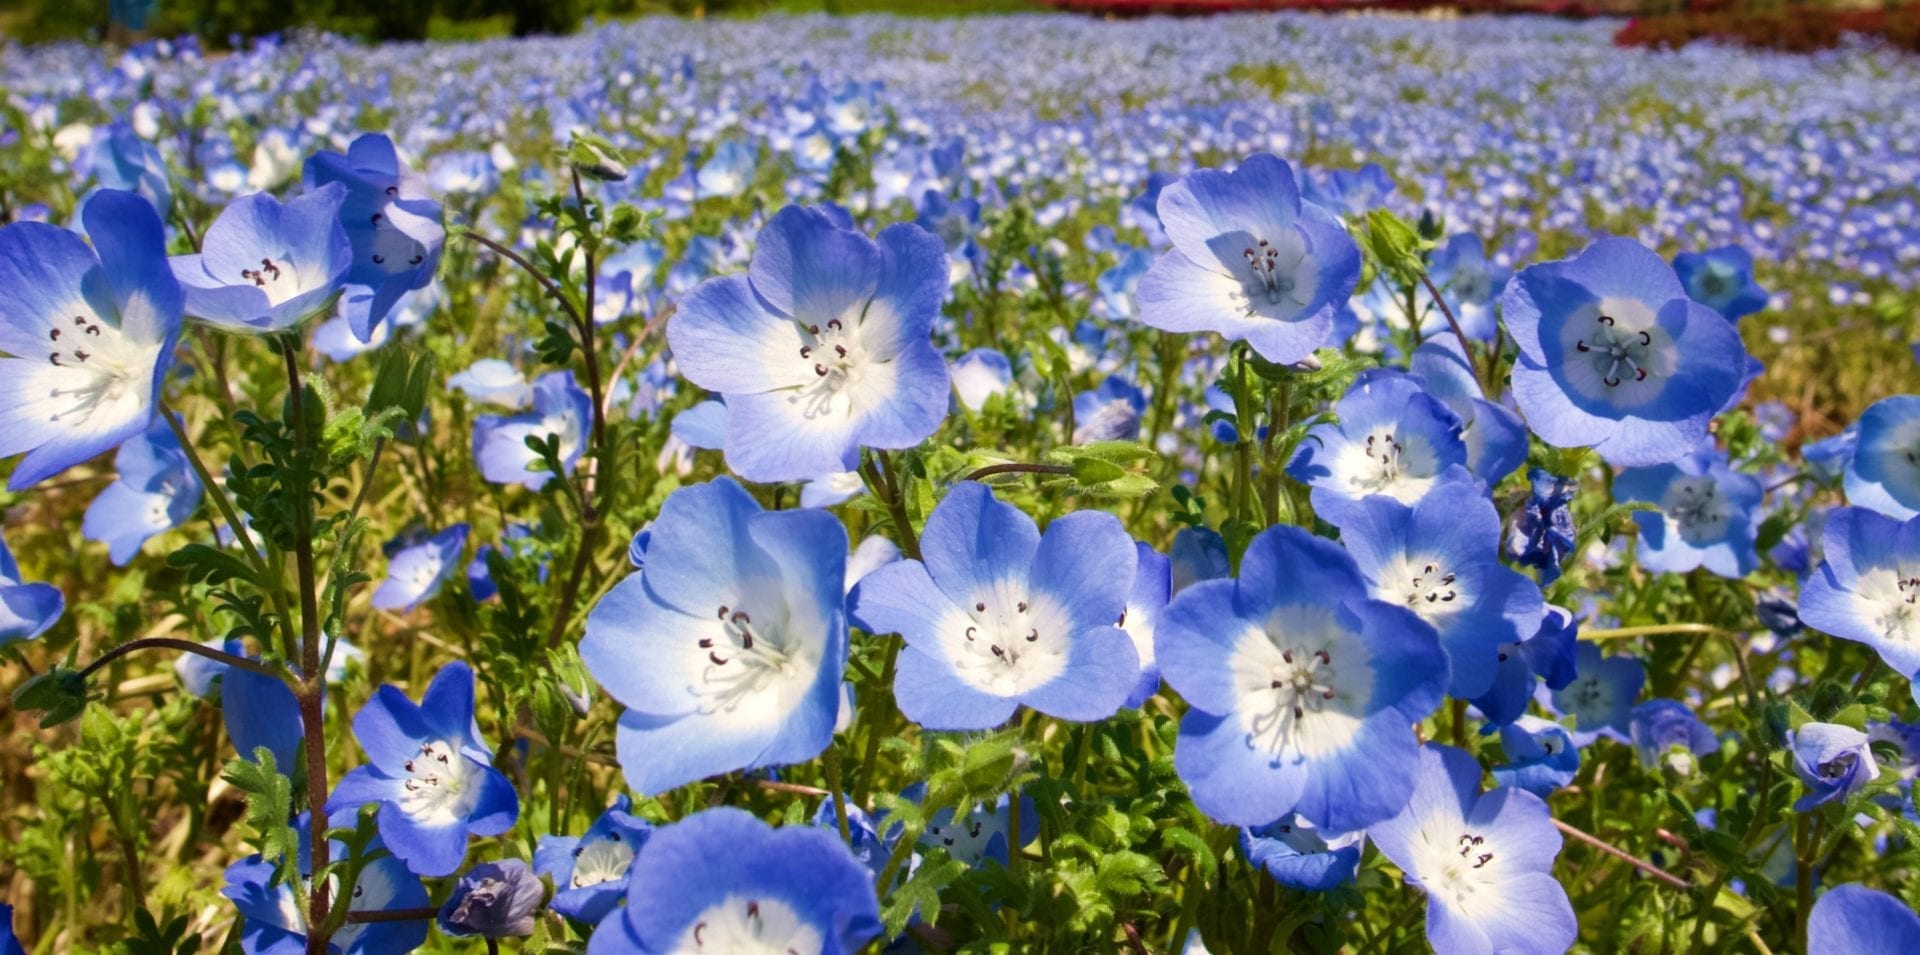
1349, 192
996, 615
589, 871
1301, 857
392, 222
1547, 655
1856, 920
1250, 261
980, 374
869, 845
1543, 532
723, 881
1541, 756
276, 924
1471, 280
1392, 439
90, 331
1302, 688
822, 348
729, 649
1484, 860
415, 572
493, 900
1884, 471
429, 771
1721, 279
1831, 456
561, 409
1832, 761
1197, 554
1665, 732
1706, 515
1601, 698
122, 160
154, 490
728, 171
268, 267
982, 833
1495, 437
26, 610
1152, 587
1440, 558
1868, 588
495, 382
1615, 357
1110, 412
1119, 286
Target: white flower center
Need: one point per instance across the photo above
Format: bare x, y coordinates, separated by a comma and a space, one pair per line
393, 250
1426, 587
1896, 594
1006, 643
742, 926
103, 365
1303, 681
835, 355
436, 790
1272, 273
601, 860
279, 279
741, 661
1399, 466
1694, 507
1459, 866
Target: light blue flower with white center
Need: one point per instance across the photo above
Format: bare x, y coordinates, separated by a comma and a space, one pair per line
1152, 588
1884, 471
494, 382
1868, 588
997, 615
267, 267
1119, 286
1721, 279
429, 771
1250, 261
1484, 860
561, 409
90, 330
1541, 756
415, 572
1350, 192
1706, 517
1615, 357
728, 171
1495, 437
723, 881
979, 835
1392, 439
1832, 761
121, 160
464, 173
822, 348
589, 871
394, 226
26, 610
1856, 920
1303, 689
154, 490
1301, 857
1470, 280
1667, 733
729, 649
980, 374
1440, 558
276, 922
1600, 699
1110, 412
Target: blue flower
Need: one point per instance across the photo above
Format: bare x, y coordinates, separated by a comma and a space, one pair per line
1197, 554
1721, 279
1461, 269
1350, 192
1152, 587
1548, 655
589, 871
1832, 761
430, 773
1250, 261
275, 923
392, 223
121, 160
9, 942
1868, 588
1110, 412
1665, 732
1440, 558
1391, 438
154, 489
1302, 688
870, 847
999, 615
1615, 357
1856, 920
1600, 699
1301, 857
1884, 470
1543, 533
728, 650
980, 374
723, 881
982, 834
1495, 437
822, 348
495, 382
1541, 756
1119, 286
267, 267
1485, 861
1705, 516
561, 409
91, 332
416, 572
26, 610
728, 171
494, 900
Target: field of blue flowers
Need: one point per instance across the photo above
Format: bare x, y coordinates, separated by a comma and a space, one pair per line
1016, 484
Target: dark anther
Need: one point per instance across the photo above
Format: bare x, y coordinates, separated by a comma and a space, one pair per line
1033, 635
1327, 694
724, 611
1286, 655
1022, 608
1611, 382
806, 351
1276, 685
1606, 320
1639, 374
416, 260
56, 335
706, 643
753, 909
813, 329
820, 370
717, 659
1581, 345
980, 607
999, 652
834, 324
55, 358
697, 929
1299, 712
840, 350
393, 190
376, 217
1646, 337
740, 616
1503, 658
1485, 857
80, 355
379, 260
970, 633
93, 329
1324, 656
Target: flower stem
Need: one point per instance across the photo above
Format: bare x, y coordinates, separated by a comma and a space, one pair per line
187, 646
1017, 468
1651, 630
1649, 868
1453, 323
312, 689
837, 783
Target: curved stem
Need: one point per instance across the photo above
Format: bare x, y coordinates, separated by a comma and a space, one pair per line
186, 646
526, 266
1650, 630
1453, 323
1643, 865
218, 493
1017, 468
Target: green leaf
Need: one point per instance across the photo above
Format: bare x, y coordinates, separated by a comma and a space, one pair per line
921, 892
59, 695
269, 805
1092, 470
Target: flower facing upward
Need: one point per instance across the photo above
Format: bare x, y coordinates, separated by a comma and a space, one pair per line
1392, 439
589, 871
1705, 516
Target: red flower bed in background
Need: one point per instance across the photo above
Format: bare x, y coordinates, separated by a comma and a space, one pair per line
1793, 30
